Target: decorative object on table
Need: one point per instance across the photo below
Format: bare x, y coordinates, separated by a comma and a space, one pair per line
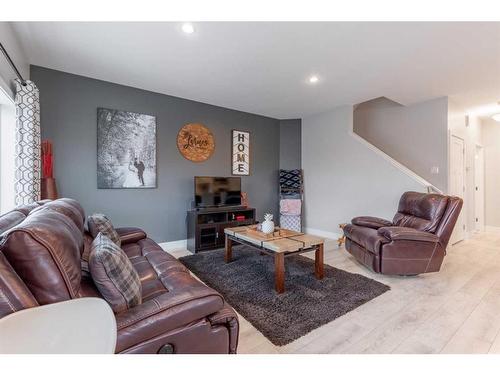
48, 183
341, 239
244, 199
241, 153
268, 224
291, 193
195, 142
126, 149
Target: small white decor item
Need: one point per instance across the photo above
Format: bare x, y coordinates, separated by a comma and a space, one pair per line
268, 224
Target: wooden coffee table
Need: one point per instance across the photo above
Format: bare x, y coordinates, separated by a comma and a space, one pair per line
280, 244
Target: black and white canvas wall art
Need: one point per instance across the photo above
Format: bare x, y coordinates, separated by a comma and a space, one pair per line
126, 149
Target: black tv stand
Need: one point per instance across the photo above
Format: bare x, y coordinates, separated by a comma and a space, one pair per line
219, 208
205, 226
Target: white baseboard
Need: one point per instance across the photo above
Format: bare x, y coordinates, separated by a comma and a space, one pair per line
323, 233
330, 237
171, 245
490, 228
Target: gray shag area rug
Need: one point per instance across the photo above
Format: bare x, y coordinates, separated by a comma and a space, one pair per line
247, 284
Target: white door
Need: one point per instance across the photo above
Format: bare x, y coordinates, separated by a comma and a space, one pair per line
457, 183
479, 188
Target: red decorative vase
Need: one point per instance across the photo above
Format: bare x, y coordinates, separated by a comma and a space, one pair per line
48, 184
49, 188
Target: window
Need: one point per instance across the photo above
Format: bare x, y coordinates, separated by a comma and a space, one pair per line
7, 152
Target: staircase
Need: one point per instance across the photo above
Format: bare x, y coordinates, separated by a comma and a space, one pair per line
391, 130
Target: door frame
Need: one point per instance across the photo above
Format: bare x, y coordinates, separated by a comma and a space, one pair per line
477, 183
464, 168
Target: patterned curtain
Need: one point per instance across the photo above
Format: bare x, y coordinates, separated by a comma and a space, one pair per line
27, 162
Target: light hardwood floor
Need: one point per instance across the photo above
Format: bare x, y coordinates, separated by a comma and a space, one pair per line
454, 311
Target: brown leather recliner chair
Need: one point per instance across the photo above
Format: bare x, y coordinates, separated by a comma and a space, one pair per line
40, 263
413, 243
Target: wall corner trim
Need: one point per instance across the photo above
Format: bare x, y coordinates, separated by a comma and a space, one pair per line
323, 233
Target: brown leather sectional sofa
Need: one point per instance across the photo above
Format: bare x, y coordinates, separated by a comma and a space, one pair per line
40, 263
413, 243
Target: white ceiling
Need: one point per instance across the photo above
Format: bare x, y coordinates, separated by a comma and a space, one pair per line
263, 67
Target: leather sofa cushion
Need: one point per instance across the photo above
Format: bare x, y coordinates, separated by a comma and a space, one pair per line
188, 302
367, 238
14, 295
153, 266
420, 211
142, 248
371, 222
114, 275
17, 215
44, 250
68, 207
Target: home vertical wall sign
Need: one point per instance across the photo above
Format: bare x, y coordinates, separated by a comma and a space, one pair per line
241, 153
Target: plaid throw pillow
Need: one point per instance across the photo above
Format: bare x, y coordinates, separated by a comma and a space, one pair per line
114, 275
100, 223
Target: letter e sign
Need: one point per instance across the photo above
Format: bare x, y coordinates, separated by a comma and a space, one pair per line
241, 153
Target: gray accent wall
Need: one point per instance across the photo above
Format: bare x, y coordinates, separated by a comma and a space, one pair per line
290, 144
68, 116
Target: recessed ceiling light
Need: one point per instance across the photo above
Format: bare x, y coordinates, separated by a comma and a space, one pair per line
313, 79
188, 28
496, 117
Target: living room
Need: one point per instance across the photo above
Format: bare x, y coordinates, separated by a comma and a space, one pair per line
249, 186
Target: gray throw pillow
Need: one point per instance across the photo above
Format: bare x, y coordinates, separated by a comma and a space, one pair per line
114, 275
101, 223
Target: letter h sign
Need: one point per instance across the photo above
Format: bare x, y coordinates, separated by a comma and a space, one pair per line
241, 153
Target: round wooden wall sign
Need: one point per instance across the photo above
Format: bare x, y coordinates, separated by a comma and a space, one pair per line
195, 142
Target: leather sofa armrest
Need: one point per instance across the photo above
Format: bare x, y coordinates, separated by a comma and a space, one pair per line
165, 313
404, 233
130, 234
371, 222
228, 317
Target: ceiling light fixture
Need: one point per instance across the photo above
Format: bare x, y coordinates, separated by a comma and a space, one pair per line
313, 79
188, 28
496, 117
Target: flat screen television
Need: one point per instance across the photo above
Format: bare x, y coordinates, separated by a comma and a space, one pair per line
217, 191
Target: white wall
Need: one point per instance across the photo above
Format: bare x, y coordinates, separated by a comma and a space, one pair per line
11, 44
414, 135
491, 138
344, 178
471, 134
7, 112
